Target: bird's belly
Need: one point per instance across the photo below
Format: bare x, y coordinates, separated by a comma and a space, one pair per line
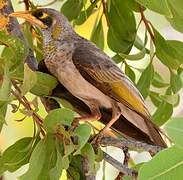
70, 77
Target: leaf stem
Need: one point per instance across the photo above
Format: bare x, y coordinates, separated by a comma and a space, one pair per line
146, 22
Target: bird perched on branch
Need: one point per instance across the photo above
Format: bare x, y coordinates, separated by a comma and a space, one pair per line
89, 75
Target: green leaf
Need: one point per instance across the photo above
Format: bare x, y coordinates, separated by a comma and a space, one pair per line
72, 8
98, 34
58, 117
167, 164
56, 172
129, 72
156, 100
171, 99
44, 85
176, 20
176, 81
40, 160
122, 27
163, 113
178, 48
29, 81
140, 45
88, 152
28, 34
83, 133
174, 129
6, 85
15, 51
177, 5
166, 53
16, 155
134, 57
159, 6
3, 110
85, 14
133, 5
158, 81
144, 82
117, 58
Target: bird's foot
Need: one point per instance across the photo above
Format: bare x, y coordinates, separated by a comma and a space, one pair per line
76, 120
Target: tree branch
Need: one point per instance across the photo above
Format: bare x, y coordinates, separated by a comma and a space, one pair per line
146, 22
121, 143
86, 168
122, 168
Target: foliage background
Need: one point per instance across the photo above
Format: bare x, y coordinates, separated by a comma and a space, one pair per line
171, 101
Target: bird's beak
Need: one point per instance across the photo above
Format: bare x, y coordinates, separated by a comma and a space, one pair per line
28, 17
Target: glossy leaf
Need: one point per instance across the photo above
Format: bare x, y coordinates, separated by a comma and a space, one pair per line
145, 80
158, 81
163, 113
85, 14
159, 6
134, 57
98, 35
174, 129
176, 20
83, 133
40, 160
15, 51
171, 99
3, 110
16, 155
29, 81
44, 85
156, 100
72, 8
166, 53
58, 117
176, 81
122, 27
6, 85
167, 164
130, 73
88, 152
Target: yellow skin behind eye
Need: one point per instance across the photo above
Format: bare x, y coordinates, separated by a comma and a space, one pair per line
43, 16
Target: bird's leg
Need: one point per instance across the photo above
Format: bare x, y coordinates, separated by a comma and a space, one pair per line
94, 116
116, 112
95, 112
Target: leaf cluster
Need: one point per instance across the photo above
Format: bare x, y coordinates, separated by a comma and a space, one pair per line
55, 146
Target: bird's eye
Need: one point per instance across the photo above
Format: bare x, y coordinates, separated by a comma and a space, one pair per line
39, 14
43, 15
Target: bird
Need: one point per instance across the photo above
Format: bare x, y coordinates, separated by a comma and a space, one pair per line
90, 76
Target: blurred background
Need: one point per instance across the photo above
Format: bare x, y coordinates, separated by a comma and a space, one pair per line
14, 130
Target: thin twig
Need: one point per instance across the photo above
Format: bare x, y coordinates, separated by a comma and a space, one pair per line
146, 22
121, 143
23, 100
122, 168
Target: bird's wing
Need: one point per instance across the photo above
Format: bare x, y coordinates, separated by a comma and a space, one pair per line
97, 68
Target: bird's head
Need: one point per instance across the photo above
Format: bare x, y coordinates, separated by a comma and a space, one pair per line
51, 22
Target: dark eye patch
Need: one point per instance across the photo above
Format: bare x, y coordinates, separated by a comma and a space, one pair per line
47, 21
37, 14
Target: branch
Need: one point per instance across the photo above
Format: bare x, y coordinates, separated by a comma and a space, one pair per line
146, 22
86, 168
122, 168
121, 143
